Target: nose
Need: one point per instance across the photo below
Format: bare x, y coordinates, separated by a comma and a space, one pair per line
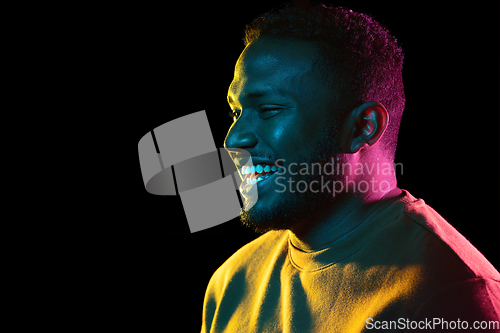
241, 135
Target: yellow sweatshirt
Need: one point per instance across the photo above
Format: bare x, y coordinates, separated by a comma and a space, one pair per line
403, 268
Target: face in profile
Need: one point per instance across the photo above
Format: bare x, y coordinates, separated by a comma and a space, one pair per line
283, 117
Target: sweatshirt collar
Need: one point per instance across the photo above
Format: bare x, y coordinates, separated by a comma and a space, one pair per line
377, 217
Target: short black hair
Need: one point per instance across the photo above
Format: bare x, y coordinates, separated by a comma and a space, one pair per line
363, 59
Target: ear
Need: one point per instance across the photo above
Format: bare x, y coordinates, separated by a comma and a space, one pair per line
369, 122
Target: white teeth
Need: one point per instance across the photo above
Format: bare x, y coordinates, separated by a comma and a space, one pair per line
258, 168
246, 170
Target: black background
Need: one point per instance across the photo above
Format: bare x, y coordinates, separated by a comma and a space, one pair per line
179, 59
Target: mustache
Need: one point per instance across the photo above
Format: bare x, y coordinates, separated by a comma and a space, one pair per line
241, 156
256, 155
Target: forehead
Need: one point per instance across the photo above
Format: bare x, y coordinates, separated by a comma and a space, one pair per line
276, 64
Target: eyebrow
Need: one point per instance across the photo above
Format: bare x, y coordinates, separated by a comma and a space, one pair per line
256, 94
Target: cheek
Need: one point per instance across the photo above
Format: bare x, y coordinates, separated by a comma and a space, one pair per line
291, 135
282, 135
279, 133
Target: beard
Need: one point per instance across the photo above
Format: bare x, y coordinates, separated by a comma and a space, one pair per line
293, 208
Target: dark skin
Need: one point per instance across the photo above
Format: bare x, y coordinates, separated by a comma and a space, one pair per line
281, 107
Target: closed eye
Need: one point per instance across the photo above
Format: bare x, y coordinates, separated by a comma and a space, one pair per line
268, 111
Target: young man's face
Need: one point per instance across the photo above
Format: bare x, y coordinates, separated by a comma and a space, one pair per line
285, 118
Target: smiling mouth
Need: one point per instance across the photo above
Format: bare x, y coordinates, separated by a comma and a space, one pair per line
257, 173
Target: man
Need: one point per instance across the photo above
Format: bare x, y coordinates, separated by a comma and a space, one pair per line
317, 99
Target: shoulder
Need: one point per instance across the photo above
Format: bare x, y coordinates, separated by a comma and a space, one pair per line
232, 280
439, 239
250, 258
473, 300
451, 277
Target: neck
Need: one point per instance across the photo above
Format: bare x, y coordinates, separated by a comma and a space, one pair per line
347, 214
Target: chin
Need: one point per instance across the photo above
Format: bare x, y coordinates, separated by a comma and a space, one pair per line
284, 211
